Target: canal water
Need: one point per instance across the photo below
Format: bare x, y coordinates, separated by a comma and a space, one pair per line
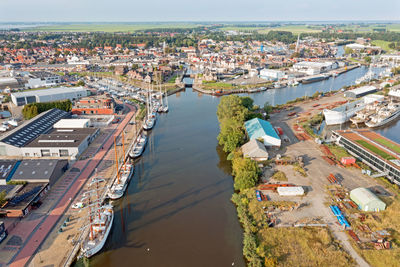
177, 211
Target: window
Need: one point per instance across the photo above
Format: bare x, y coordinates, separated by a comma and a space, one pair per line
45, 152
27, 154
64, 153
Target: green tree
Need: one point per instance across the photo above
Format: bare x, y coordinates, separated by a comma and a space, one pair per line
80, 83
348, 51
231, 107
247, 102
367, 59
245, 171
3, 195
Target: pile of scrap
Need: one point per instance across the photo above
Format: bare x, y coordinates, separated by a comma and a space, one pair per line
381, 244
354, 236
300, 134
289, 161
329, 157
272, 187
332, 179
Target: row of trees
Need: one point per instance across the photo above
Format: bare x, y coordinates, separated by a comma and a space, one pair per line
31, 110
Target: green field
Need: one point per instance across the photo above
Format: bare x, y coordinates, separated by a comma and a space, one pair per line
110, 27
388, 144
382, 44
295, 29
375, 150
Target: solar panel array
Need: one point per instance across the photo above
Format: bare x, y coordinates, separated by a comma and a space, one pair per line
36, 127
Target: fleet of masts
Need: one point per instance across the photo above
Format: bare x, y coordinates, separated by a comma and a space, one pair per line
101, 216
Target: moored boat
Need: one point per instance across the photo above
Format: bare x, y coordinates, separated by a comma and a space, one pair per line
100, 225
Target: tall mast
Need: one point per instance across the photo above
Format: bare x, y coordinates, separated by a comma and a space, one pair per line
123, 150
162, 104
166, 96
116, 157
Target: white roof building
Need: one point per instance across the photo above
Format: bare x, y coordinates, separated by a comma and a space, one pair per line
48, 95
72, 123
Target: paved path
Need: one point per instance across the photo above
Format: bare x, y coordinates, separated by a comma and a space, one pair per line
44, 227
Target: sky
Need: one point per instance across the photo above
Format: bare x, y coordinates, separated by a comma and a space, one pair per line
199, 10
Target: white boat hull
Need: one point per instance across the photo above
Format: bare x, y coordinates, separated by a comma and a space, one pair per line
89, 252
383, 122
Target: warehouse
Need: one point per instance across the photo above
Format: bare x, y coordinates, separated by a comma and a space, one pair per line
366, 200
65, 143
72, 123
7, 169
361, 91
262, 130
12, 142
40, 171
48, 95
255, 150
26, 198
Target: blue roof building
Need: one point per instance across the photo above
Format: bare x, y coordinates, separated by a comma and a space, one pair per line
261, 129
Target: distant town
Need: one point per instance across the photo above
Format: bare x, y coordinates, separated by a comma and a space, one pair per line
153, 142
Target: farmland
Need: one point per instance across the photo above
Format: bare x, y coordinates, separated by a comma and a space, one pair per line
110, 27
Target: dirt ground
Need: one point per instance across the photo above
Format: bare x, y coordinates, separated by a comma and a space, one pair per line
312, 204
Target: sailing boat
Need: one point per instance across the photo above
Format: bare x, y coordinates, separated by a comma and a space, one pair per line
165, 108
100, 222
161, 108
139, 146
118, 188
151, 117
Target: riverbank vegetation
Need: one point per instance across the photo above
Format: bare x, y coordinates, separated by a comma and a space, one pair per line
232, 112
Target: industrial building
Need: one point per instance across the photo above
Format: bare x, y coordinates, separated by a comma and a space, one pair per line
72, 123
65, 143
48, 95
12, 142
7, 169
42, 79
366, 200
373, 149
271, 74
40, 170
255, 150
262, 130
23, 198
361, 91
313, 68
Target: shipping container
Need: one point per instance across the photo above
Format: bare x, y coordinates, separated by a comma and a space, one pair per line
348, 160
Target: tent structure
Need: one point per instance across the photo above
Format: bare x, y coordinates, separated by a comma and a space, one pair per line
366, 200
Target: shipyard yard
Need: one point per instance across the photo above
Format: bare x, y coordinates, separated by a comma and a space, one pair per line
251, 142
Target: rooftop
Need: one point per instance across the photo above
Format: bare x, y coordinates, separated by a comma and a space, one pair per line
50, 91
37, 169
40, 124
62, 137
257, 128
363, 89
375, 143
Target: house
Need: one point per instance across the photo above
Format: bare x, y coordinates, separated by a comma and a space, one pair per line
255, 150
262, 130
